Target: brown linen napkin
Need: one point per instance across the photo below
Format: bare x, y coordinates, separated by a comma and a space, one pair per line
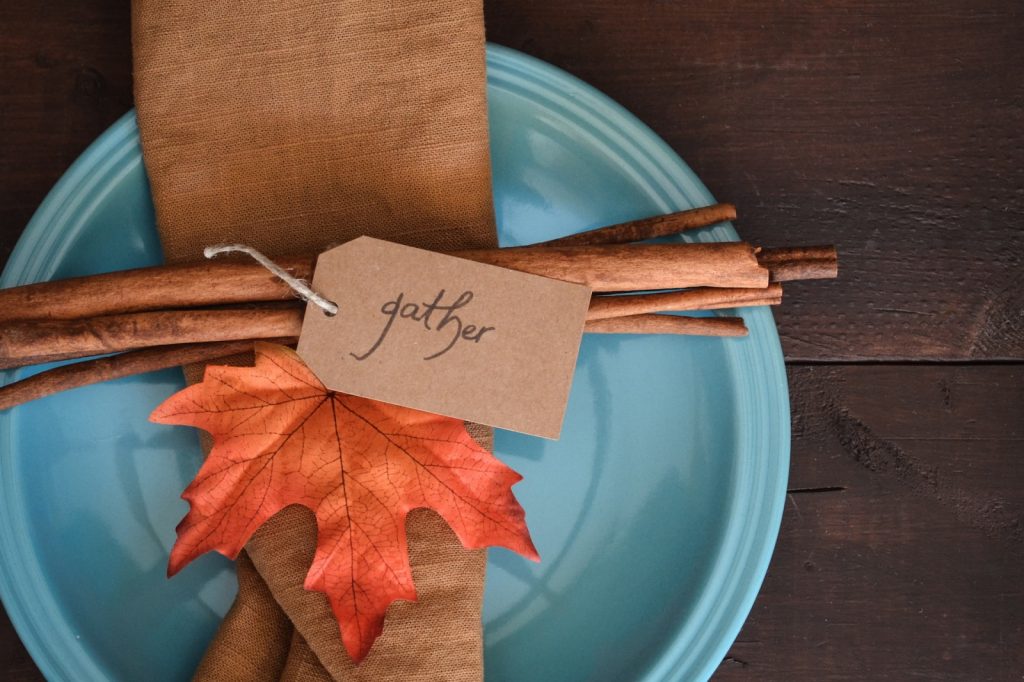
291, 125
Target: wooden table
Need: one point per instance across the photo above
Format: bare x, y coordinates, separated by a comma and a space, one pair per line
894, 128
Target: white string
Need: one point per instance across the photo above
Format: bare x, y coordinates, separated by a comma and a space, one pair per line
299, 286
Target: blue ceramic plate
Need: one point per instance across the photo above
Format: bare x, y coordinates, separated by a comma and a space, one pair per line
655, 514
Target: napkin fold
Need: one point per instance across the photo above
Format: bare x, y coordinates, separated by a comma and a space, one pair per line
293, 125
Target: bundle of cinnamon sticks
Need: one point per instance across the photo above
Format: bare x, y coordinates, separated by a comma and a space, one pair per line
153, 318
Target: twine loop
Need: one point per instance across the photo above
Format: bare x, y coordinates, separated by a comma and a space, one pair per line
299, 286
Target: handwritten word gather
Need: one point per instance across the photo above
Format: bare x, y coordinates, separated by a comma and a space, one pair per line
424, 313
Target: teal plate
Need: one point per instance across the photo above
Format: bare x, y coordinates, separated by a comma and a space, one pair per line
655, 514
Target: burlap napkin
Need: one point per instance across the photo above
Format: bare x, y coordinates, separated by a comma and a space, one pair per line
291, 125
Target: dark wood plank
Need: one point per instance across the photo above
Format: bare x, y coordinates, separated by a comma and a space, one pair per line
65, 76
902, 549
894, 129
15, 663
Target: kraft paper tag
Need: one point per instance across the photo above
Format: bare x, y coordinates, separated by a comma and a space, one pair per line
445, 335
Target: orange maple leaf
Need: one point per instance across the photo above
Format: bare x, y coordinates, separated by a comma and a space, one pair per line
281, 438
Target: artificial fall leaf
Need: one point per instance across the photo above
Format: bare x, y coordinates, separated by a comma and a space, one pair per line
281, 438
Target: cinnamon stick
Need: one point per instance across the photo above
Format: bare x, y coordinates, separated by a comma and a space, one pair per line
155, 288
225, 282
161, 357
95, 371
705, 298
668, 324
800, 262
35, 341
628, 267
605, 268
650, 228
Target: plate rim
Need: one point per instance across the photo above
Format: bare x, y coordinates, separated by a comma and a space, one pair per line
695, 650
725, 608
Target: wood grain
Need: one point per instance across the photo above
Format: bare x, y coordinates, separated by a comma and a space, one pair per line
896, 130
65, 76
893, 129
902, 547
